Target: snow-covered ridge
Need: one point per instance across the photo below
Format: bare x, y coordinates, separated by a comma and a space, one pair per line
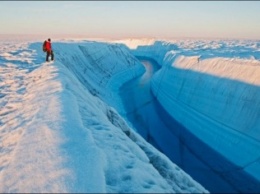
101, 67
58, 136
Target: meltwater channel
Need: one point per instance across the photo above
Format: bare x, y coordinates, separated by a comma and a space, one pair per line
145, 114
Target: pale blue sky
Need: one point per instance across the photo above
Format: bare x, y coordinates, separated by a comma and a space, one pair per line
119, 19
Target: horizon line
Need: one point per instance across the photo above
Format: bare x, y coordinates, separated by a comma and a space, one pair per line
81, 36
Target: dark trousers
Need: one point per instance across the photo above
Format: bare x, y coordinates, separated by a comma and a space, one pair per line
49, 53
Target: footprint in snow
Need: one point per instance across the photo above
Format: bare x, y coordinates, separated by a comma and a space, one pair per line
2, 95
21, 91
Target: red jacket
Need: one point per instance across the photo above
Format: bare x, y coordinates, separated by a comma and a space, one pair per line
48, 46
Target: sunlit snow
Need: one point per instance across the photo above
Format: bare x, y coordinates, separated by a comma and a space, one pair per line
142, 116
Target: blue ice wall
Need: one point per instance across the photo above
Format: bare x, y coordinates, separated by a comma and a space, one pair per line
221, 113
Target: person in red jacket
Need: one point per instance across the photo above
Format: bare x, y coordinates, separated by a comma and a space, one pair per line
49, 51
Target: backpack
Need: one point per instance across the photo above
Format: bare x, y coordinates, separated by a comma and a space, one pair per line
44, 46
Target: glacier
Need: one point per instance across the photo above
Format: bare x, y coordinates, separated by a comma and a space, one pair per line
211, 88
65, 125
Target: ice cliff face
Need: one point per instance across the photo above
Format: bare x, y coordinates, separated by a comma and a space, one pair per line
213, 89
207, 86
